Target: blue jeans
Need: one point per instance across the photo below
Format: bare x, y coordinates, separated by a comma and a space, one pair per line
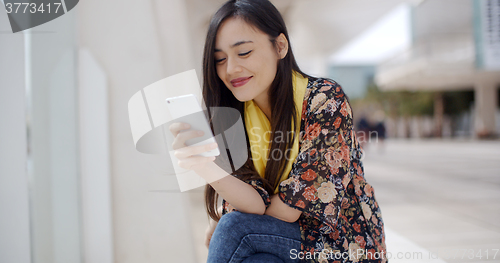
242, 237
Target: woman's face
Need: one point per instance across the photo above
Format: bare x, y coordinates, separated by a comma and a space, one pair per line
245, 59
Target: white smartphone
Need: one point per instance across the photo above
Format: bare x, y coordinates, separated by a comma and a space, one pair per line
186, 109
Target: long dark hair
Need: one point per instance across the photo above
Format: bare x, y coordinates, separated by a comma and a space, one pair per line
264, 16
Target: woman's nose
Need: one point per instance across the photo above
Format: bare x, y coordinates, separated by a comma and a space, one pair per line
233, 66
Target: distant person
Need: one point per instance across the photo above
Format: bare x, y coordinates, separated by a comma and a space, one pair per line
314, 206
363, 130
379, 129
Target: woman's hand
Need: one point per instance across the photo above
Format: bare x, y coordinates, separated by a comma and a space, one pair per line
188, 156
239, 194
209, 232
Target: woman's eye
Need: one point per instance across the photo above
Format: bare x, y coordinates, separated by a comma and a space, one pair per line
219, 60
246, 53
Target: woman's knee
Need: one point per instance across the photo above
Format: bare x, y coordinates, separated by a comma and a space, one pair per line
238, 223
231, 220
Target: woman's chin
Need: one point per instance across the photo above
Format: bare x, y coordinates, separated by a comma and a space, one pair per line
242, 98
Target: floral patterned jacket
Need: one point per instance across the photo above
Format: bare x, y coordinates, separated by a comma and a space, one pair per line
341, 220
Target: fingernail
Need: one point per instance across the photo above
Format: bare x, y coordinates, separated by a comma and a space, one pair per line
185, 126
200, 132
213, 145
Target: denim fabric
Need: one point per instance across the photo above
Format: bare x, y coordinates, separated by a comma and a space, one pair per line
242, 237
262, 257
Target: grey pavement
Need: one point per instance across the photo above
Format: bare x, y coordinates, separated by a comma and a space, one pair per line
439, 198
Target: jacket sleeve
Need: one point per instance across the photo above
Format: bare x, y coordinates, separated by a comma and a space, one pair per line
258, 186
320, 173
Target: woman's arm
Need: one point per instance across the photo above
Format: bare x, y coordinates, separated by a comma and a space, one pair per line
282, 211
239, 194
242, 196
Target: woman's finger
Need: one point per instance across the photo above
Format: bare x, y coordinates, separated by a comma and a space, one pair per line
207, 242
176, 127
189, 151
210, 231
181, 138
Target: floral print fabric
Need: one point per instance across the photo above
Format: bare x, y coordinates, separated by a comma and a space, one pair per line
340, 215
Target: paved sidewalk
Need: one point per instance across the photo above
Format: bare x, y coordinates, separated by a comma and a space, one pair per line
438, 198
442, 195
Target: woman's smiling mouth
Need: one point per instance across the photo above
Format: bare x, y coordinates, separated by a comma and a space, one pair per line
240, 81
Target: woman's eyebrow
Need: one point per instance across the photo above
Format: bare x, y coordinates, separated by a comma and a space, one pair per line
236, 44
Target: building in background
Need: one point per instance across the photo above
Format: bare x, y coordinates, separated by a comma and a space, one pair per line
455, 48
354, 78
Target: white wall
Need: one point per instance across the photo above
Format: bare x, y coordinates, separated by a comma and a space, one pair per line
124, 38
53, 167
14, 203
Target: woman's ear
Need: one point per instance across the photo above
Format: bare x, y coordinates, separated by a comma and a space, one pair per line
282, 45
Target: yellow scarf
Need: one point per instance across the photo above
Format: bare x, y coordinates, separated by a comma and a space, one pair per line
258, 129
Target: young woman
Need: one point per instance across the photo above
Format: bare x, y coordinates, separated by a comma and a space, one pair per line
297, 198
